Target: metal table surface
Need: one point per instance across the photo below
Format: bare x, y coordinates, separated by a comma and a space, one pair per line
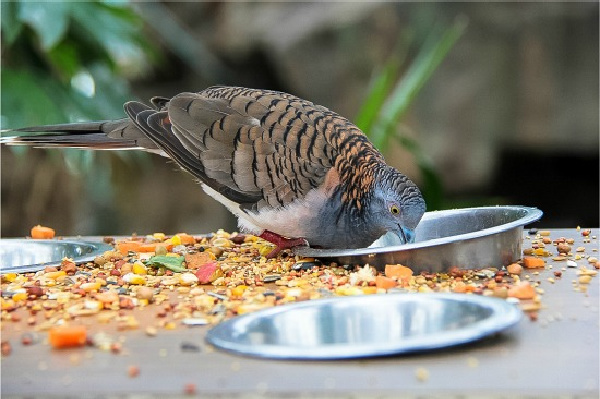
557, 355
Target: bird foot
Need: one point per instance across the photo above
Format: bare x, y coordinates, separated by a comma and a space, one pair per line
281, 242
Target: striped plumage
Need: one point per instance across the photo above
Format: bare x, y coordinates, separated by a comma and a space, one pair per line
280, 163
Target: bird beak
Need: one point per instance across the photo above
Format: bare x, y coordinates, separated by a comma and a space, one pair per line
407, 236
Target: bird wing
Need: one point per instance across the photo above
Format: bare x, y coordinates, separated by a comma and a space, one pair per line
257, 148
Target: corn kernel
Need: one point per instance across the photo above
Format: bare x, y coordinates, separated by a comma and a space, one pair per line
139, 268
136, 279
265, 250
170, 325
238, 291
19, 296
55, 275
9, 277
176, 240
7, 304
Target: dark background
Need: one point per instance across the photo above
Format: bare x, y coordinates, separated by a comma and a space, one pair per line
510, 116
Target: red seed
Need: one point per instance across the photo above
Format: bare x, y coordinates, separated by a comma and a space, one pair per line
5, 348
133, 371
533, 316
189, 389
27, 339
34, 291
68, 267
558, 273
115, 348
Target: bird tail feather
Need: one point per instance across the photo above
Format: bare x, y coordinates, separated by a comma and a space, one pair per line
101, 135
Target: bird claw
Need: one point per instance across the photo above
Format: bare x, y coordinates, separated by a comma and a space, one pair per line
281, 242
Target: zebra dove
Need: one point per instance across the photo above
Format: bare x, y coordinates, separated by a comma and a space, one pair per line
289, 170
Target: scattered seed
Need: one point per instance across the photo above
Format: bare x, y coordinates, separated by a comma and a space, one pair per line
133, 371
5, 348
422, 374
189, 347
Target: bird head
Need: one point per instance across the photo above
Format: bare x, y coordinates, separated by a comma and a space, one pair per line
396, 205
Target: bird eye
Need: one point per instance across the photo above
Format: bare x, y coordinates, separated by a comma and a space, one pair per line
394, 209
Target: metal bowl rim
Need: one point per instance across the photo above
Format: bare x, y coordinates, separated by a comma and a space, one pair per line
99, 248
503, 317
531, 215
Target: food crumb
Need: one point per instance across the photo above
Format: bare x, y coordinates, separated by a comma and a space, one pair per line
133, 371
6, 348
235, 366
189, 388
472, 362
422, 374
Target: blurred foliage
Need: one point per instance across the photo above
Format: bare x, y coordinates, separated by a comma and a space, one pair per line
66, 61
390, 96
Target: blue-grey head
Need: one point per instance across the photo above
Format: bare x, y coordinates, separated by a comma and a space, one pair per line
396, 205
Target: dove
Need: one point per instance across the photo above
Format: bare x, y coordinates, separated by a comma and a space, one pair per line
293, 172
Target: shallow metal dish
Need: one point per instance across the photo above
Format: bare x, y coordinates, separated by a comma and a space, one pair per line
25, 255
364, 326
469, 238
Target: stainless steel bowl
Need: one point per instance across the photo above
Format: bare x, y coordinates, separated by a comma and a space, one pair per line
364, 326
25, 255
469, 238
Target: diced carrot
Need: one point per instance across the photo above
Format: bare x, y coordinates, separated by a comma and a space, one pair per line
67, 336
186, 239
402, 273
151, 247
531, 262
397, 271
460, 288
128, 245
523, 290
42, 232
385, 282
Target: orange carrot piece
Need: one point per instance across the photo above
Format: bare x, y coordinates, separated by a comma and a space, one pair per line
385, 282
522, 290
67, 336
42, 232
186, 239
397, 271
402, 273
151, 247
128, 245
531, 262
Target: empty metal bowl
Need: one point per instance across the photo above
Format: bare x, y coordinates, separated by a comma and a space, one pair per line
364, 326
468, 238
25, 255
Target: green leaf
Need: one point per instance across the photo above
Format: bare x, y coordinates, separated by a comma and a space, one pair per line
432, 186
380, 88
10, 23
173, 263
429, 58
112, 27
48, 19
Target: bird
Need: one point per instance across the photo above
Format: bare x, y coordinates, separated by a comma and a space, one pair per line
293, 172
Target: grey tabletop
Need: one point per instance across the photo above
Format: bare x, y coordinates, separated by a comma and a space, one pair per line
556, 355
